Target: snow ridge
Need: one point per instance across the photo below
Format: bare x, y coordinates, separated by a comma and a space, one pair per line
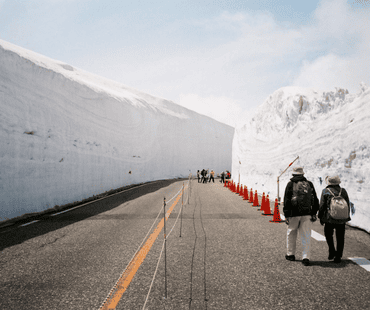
327, 130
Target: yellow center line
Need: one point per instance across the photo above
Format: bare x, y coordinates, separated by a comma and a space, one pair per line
126, 278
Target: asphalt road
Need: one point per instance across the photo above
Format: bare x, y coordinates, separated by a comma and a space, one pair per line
227, 257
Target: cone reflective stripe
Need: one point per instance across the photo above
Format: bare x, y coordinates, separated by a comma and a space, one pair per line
267, 209
276, 218
255, 200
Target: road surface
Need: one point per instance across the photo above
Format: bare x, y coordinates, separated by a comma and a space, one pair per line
221, 254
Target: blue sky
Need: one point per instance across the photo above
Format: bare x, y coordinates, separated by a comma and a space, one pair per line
220, 58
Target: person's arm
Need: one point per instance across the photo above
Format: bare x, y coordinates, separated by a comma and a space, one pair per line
287, 209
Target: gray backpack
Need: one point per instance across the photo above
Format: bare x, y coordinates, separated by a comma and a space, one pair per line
338, 207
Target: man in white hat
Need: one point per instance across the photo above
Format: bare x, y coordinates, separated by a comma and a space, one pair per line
300, 208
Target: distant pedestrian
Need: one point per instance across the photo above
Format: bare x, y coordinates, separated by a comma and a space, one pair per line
300, 207
212, 176
204, 174
198, 175
329, 196
222, 177
205, 179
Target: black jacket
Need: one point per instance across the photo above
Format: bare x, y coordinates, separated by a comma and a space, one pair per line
289, 210
325, 199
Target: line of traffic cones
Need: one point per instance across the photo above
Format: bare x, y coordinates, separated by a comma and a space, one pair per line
242, 191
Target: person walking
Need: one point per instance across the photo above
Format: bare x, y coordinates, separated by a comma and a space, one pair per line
203, 173
212, 176
222, 177
300, 207
198, 175
334, 191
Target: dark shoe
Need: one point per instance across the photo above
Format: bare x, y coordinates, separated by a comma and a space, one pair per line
290, 257
306, 261
337, 260
331, 256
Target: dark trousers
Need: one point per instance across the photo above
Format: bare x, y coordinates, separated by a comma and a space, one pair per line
339, 234
211, 178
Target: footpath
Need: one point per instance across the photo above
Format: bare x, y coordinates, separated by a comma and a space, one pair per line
230, 256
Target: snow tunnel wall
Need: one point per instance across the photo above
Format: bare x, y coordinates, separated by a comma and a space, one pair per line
329, 131
67, 135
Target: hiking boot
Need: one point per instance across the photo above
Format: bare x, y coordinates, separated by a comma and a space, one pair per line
290, 257
331, 255
306, 261
337, 260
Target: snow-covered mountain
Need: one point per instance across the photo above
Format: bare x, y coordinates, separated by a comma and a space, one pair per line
329, 131
66, 135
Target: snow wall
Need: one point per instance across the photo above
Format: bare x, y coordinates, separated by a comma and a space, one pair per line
67, 135
329, 131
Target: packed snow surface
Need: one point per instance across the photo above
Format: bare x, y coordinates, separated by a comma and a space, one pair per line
67, 135
328, 130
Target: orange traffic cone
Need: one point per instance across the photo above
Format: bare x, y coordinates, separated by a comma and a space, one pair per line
237, 189
246, 193
251, 196
267, 209
241, 190
255, 201
276, 218
262, 202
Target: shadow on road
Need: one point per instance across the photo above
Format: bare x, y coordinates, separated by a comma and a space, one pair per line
331, 264
15, 234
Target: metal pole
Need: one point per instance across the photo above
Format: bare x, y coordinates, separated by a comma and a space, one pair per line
165, 249
278, 178
182, 205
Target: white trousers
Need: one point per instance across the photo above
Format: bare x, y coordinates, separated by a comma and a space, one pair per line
301, 224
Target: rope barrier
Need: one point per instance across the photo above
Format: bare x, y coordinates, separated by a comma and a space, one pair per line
138, 249
160, 255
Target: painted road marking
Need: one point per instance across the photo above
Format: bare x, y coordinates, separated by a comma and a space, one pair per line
124, 281
28, 223
317, 236
363, 262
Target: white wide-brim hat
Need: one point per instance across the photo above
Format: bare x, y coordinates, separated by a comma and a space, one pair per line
298, 171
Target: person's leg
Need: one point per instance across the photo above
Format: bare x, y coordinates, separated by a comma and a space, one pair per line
339, 233
305, 235
329, 230
292, 235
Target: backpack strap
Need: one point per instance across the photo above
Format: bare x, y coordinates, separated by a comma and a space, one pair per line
330, 191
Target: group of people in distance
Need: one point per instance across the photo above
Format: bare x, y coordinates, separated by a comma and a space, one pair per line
204, 176
302, 207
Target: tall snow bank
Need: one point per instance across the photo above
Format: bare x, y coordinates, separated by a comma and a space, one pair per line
329, 131
66, 135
